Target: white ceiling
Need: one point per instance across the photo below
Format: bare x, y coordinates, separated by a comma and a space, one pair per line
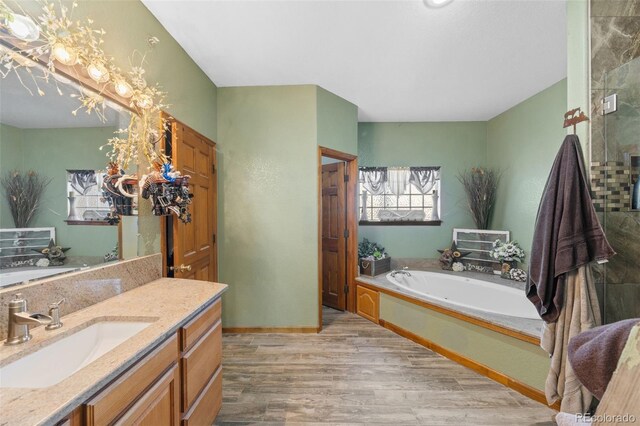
396, 60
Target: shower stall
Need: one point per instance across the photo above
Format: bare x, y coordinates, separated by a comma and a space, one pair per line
616, 185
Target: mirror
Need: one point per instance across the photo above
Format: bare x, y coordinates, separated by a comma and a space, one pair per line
47, 146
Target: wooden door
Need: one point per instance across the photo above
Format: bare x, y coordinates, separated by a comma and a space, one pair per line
334, 238
194, 244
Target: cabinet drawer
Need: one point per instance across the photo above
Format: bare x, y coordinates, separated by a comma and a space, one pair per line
206, 407
111, 402
199, 364
368, 303
194, 329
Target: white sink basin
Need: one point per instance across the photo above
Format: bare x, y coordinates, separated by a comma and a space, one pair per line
59, 360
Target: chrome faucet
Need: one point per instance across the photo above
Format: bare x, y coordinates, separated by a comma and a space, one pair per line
20, 320
403, 271
54, 313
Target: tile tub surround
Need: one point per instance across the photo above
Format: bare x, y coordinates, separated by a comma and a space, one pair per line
83, 288
170, 302
530, 327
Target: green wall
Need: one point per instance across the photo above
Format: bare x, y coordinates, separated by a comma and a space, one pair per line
51, 152
454, 146
268, 216
268, 205
523, 142
523, 361
578, 66
337, 122
10, 159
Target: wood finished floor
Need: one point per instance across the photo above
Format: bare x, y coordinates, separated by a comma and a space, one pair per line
355, 372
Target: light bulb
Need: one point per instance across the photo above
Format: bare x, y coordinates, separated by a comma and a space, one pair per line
144, 101
23, 27
64, 54
98, 72
437, 3
123, 89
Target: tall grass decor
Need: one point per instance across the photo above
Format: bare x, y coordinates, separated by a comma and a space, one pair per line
23, 192
480, 185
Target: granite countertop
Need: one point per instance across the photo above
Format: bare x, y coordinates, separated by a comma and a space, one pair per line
531, 327
167, 302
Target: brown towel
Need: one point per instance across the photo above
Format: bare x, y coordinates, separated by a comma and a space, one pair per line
567, 232
594, 354
579, 312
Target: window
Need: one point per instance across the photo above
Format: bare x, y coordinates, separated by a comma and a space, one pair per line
399, 195
86, 204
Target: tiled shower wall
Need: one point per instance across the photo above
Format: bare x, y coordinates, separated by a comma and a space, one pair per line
615, 40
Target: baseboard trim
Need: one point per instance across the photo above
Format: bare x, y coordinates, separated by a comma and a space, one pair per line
270, 329
503, 379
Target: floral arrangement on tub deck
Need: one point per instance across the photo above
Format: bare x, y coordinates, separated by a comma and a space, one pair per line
369, 250
507, 252
450, 258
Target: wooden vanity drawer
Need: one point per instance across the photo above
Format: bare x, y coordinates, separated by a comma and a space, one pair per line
199, 364
194, 329
111, 402
206, 407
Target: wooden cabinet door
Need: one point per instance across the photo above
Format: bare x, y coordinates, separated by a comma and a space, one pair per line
194, 244
110, 403
368, 304
334, 241
158, 406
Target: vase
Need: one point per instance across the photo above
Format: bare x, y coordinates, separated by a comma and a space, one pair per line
73, 214
363, 206
435, 214
507, 267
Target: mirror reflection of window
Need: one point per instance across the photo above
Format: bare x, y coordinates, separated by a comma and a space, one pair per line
86, 203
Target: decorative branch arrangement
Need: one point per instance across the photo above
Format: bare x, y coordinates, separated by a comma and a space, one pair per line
481, 186
23, 192
55, 39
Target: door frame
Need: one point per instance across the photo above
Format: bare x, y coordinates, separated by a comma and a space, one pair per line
351, 224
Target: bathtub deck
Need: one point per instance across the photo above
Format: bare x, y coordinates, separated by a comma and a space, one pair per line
355, 372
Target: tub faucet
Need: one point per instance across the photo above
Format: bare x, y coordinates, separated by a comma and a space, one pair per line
20, 320
402, 271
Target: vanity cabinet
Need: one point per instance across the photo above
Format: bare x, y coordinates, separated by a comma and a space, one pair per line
178, 383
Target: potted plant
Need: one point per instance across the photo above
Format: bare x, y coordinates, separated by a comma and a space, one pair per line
373, 259
509, 254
